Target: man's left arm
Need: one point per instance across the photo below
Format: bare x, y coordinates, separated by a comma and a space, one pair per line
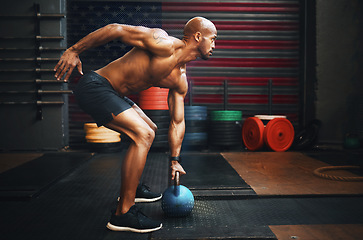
177, 123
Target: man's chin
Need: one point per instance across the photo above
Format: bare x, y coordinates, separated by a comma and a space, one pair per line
205, 57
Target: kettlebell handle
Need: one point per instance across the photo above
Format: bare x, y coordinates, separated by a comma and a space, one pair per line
176, 184
177, 179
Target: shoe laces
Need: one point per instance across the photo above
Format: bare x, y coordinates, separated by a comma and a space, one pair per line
143, 186
137, 211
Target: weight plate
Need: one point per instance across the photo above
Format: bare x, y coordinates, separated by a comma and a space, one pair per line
154, 90
266, 118
226, 134
153, 98
195, 129
192, 142
223, 124
225, 128
279, 134
159, 119
218, 123
163, 144
87, 126
196, 108
162, 125
252, 133
225, 138
196, 134
154, 106
226, 115
161, 135
226, 124
157, 112
269, 117
226, 143
162, 131
153, 101
306, 138
196, 123
154, 93
158, 140
197, 117
231, 132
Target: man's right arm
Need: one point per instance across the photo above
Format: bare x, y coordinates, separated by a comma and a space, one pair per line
155, 40
70, 58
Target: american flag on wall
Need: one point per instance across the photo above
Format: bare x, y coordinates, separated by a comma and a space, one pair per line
257, 41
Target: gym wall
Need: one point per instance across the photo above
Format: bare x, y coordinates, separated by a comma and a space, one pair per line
339, 81
257, 41
334, 84
34, 110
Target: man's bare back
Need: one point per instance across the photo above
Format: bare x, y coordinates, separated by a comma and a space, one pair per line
150, 70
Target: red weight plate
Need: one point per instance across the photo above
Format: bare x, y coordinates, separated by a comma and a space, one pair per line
252, 133
279, 134
154, 107
155, 91
154, 98
159, 102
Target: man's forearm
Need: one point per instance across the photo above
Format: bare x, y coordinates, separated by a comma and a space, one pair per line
176, 135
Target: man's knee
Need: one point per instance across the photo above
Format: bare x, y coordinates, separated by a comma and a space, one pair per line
145, 136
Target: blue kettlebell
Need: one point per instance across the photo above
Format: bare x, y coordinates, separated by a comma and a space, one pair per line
178, 200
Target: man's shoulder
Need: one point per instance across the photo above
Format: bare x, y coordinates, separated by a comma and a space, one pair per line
177, 43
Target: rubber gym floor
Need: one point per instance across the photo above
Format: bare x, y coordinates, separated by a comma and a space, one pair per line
238, 195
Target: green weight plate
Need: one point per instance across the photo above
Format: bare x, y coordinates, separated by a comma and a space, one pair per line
226, 115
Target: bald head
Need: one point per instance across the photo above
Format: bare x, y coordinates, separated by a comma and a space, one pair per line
200, 34
198, 24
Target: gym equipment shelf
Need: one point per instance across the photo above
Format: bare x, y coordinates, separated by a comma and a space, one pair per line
22, 63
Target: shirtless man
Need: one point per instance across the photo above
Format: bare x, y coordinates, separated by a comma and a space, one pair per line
156, 60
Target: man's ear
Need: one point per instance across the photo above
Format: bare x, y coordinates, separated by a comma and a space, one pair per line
198, 36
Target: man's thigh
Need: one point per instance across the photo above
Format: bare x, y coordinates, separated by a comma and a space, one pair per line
128, 122
144, 117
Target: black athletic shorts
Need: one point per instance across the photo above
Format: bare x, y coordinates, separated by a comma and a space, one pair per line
96, 96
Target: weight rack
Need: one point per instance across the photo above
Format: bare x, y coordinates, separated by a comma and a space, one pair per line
37, 70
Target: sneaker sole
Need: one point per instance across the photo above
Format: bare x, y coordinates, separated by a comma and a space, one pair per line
145, 200
129, 229
139, 200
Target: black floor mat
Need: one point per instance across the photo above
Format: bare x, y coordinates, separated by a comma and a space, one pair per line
209, 171
78, 207
209, 175
29, 179
250, 218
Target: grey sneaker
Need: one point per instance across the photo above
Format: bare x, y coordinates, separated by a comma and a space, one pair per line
133, 221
